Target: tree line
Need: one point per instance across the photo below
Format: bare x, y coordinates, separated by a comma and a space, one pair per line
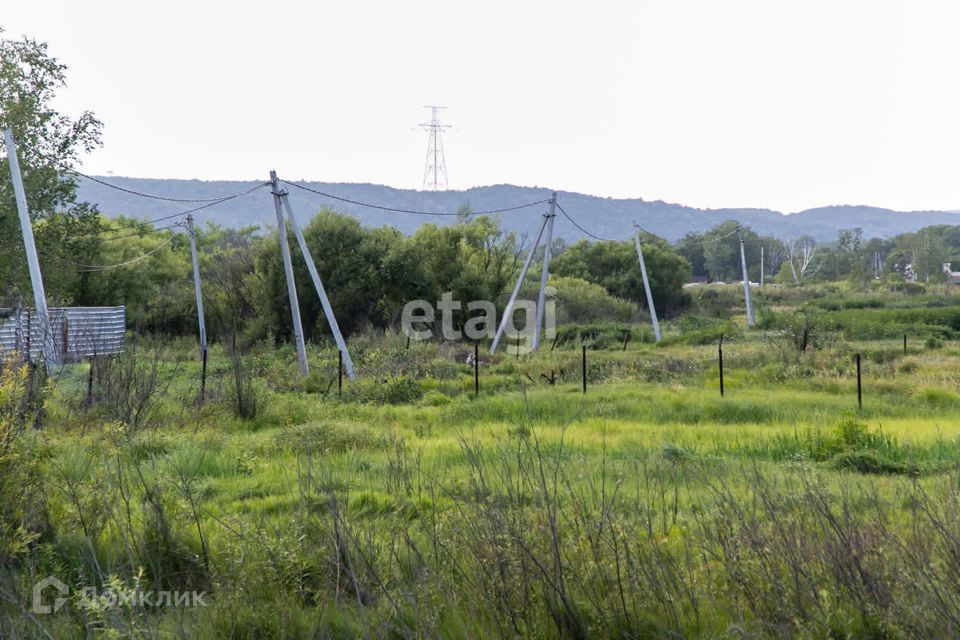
916, 256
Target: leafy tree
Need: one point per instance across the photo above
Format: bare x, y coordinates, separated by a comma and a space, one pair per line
690, 247
615, 267
802, 261
226, 263
579, 301
721, 252
849, 257
48, 143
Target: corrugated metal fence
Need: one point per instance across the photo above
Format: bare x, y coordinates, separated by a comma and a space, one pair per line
78, 332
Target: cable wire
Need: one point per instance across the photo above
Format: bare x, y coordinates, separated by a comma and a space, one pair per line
419, 213
154, 196
574, 222
141, 233
204, 206
170, 217
89, 268
723, 237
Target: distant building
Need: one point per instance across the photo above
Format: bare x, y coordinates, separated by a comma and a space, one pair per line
952, 276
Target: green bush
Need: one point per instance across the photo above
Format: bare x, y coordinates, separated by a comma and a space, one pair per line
870, 462
402, 390
696, 330
580, 301
596, 336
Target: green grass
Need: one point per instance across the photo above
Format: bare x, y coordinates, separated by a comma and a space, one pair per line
647, 507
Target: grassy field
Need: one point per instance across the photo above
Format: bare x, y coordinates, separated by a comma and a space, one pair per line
406, 507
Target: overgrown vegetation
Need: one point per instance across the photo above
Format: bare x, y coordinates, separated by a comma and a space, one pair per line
405, 507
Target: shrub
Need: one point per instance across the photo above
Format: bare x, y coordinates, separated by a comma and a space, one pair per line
127, 386
246, 395
582, 301
869, 462
851, 432
403, 389
908, 366
20, 516
597, 336
939, 397
310, 439
696, 330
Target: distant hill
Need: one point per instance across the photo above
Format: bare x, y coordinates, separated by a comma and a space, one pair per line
605, 217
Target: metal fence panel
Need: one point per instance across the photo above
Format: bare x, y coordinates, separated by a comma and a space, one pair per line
78, 332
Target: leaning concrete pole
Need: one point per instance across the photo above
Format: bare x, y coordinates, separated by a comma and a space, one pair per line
545, 273
197, 289
516, 290
288, 271
746, 282
36, 278
646, 287
318, 285
201, 323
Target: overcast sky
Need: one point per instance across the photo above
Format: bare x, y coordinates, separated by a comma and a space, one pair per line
786, 104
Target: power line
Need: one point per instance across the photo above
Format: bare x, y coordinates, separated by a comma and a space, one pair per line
204, 206
723, 237
574, 222
419, 213
88, 268
137, 230
649, 233
154, 196
135, 234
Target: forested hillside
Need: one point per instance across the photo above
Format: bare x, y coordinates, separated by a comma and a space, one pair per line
609, 217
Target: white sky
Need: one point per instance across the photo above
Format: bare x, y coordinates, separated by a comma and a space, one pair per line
786, 104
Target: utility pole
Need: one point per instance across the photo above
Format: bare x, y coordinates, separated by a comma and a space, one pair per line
318, 285
200, 315
435, 171
545, 273
761, 266
746, 281
288, 271
36, 277
508, 311
646, 287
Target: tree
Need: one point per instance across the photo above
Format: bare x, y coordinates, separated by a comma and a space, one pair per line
48, 144
690, 247
850, 254
802, 258
615, 267
580, 301
721, 251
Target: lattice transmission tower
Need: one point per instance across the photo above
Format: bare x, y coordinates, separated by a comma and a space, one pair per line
435, 169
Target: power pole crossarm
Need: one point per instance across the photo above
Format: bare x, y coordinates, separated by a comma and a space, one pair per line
36, 277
